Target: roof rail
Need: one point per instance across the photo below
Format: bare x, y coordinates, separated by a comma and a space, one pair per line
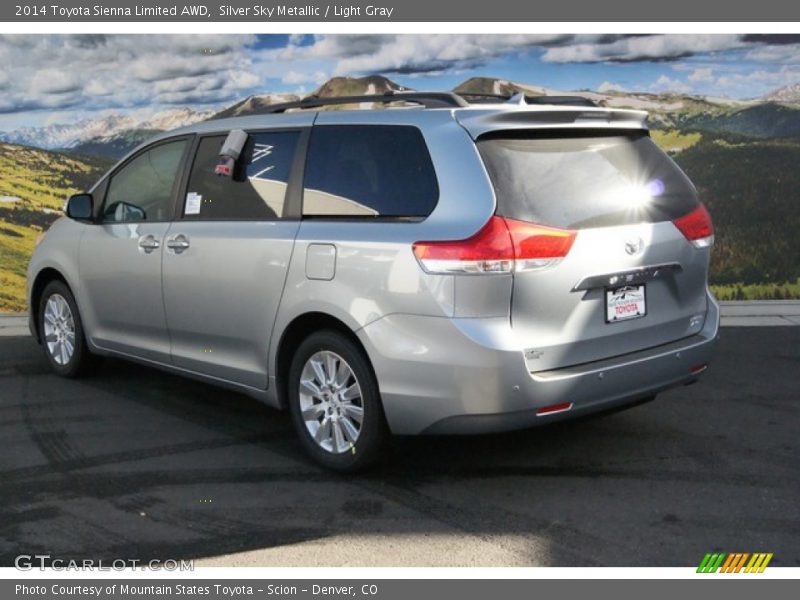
426, 99
483, 98
430, 100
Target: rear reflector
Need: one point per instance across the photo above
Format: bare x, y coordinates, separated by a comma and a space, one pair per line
698, 369
555, 408
697, 227
501, 246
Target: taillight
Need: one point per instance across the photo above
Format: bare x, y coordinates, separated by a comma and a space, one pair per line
696, 226
501, 246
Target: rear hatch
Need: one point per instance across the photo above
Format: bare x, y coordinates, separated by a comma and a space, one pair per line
634, 276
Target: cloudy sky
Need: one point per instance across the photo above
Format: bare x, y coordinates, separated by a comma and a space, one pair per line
47, 79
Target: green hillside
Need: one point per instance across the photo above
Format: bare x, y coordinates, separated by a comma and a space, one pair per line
767, 120
33, 186
752, 190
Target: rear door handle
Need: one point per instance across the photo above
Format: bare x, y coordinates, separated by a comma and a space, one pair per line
178, 244
148, 243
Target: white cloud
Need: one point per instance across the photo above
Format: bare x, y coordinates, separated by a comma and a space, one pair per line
300, 78
783, 54
703, 74
124, 71
652, 47
408, 54
667, 84
610, 86
759, 82
54, 81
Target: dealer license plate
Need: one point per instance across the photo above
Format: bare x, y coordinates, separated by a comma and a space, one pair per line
625, 303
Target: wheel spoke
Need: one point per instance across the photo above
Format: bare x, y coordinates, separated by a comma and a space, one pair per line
349, 429
354, 412
351, 393
313, 413
330, 367
319, 371
343, 374
339, 443
324, 431
311, 387
62, 308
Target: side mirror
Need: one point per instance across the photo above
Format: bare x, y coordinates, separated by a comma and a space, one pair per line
80, 207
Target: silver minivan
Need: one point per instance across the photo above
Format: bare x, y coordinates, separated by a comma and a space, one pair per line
436, 266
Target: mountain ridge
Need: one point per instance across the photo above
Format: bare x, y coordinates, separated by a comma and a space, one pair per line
776, 114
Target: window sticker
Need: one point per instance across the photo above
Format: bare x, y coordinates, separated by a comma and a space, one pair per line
193, 202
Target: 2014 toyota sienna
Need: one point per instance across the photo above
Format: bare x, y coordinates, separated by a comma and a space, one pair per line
439, 267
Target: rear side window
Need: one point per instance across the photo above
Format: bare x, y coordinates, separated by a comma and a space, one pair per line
583, 180
368, 171
258, 189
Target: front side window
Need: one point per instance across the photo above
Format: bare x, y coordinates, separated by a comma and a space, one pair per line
257, 190
368, 171
142, 189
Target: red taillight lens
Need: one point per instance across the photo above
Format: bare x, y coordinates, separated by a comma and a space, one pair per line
536, 246
697, 227
502, 246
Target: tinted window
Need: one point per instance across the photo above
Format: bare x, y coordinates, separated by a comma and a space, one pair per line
368, 171
258, 188
587, 181
142, 189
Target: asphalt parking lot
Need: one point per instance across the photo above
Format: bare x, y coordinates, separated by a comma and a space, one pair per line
134, 463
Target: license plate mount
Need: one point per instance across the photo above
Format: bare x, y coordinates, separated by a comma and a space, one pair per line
625, 303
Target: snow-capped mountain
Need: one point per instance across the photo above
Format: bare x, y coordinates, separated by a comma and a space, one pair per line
789, 94
73, 134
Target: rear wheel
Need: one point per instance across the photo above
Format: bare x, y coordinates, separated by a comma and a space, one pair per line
61, 332
335, 403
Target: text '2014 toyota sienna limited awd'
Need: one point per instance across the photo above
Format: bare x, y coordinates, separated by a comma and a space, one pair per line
441, 267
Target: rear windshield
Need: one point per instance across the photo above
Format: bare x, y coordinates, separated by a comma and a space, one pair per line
576, 180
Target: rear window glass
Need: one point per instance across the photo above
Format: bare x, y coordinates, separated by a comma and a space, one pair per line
368, 171
584, 180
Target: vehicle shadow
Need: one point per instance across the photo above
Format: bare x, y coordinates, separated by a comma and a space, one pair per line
136, 463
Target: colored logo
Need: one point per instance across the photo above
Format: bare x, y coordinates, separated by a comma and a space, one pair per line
735, 562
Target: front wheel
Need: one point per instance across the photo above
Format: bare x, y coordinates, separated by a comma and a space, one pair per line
61, 332
335, 403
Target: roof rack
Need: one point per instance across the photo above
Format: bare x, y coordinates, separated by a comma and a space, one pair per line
482, 98
430, 100
426, 99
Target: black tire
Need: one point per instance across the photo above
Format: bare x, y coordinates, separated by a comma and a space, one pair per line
82, 361
373, 434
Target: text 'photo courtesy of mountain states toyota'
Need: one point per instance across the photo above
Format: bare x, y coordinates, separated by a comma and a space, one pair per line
444, 264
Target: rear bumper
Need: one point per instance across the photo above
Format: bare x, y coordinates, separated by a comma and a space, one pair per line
464, 376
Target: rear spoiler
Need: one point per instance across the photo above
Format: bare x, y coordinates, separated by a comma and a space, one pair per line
480, 121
